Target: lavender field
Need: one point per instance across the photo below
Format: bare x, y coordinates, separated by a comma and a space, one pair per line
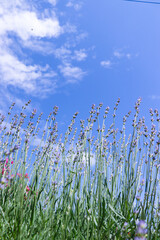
93, 182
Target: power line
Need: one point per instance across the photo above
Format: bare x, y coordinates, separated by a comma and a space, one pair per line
142, 1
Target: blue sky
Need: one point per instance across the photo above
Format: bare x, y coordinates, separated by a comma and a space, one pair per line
73, 53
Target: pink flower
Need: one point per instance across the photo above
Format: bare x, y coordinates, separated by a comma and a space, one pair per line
11, 162
19, 175
26, 175
3, 171
27, 189
6, 160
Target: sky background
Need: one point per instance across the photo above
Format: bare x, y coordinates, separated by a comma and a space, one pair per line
73, 53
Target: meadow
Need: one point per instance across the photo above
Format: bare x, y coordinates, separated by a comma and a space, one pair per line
92, 183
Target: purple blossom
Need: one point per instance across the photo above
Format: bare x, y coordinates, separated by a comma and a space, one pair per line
141, 232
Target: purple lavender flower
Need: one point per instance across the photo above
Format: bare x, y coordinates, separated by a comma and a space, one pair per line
141, 232
1, 186
140, 238
3, 180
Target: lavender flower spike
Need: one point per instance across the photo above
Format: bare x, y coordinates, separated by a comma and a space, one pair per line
141, 232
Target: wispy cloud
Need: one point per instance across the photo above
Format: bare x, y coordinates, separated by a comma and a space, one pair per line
80, 55
40, 46
62, 53
33, 79
106, 64
75, 5
154, 97
65, 54
53, 2
120, 53
71, 73
117, 56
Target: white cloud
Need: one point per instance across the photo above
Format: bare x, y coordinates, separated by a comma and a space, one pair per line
66, 55
45, 48
81, 36
31, 78
12, 4
26, 24
71, 73
118, 54
106, 64
76, 6
121, 54
62, 53
80, 55
154, 97
22, 20
128, 55
53, 2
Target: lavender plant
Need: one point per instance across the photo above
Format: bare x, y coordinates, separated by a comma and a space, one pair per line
94, 182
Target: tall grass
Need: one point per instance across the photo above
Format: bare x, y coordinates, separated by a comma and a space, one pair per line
92, 183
